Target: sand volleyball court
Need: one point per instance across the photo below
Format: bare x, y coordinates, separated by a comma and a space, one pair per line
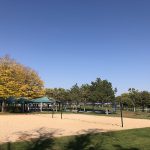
24, 127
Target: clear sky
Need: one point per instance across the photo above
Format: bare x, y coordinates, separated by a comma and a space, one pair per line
76, 41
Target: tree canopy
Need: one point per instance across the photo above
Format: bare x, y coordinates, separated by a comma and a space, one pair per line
135, 98
98, 91
16, 80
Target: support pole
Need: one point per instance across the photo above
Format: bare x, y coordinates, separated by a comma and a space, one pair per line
121, 114
61, 110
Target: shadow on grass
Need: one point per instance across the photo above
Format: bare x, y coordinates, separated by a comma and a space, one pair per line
79, 142
85, 141
119, 147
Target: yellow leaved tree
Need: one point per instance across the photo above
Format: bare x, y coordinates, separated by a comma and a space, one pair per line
18, 81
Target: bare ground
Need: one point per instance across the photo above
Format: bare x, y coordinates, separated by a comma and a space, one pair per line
24, 127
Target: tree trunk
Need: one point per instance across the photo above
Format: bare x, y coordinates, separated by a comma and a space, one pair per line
41, 106
146, 109
134, 109
76, 106
84, 107
115, 106
3, 105
56, 107
28, 107
93, 106
102, 104
22, 106
143, 107
127, 108
59, 106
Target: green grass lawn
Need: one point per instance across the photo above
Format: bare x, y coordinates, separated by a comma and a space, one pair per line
126, 114
131, 114
135, 139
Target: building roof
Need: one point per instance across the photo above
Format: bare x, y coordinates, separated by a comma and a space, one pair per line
23, 100
43, 100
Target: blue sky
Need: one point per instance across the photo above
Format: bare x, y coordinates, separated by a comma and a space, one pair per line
70, 42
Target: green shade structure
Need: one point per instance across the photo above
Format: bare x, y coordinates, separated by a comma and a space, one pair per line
11, 100
43, 100
39, 103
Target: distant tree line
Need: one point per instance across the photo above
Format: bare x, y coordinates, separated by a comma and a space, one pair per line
134, 99
99, 91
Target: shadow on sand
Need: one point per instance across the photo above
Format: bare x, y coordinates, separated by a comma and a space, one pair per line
46, 141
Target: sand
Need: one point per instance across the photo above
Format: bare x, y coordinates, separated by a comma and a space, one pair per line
24, 127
